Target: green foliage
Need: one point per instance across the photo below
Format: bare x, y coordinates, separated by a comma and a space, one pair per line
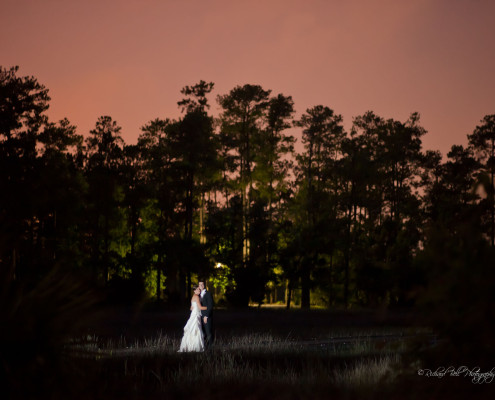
222, 280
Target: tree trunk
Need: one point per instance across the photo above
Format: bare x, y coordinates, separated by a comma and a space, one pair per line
189, 293
305, 287
289, 293
105, 257
330, 282
133, 230
202, 238
158, 277
346, 260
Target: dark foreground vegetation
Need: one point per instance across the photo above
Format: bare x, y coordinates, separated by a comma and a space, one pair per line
259, 353
366, 219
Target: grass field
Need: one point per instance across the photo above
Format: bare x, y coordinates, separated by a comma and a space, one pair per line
258, 354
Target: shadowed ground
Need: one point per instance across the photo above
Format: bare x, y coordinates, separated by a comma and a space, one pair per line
292, 324
259, 353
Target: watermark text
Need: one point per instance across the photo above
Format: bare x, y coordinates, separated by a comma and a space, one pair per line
477, 376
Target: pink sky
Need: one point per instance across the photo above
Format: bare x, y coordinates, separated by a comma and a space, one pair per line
129, 59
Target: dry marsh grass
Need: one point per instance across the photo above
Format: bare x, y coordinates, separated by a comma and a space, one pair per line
251, 360
307, 361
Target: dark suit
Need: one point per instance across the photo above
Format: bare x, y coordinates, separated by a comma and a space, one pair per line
207, 301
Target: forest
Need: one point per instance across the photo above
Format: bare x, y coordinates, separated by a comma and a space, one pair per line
343, 262
356, 218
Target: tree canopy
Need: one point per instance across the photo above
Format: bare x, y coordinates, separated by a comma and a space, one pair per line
351, 219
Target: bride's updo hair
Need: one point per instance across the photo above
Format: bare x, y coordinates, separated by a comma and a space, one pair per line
195, 287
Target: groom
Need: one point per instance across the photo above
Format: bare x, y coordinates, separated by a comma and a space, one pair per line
206, 321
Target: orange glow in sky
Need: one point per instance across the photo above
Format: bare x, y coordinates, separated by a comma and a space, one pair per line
129, 59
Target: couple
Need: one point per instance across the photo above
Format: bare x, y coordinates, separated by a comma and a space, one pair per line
199, 321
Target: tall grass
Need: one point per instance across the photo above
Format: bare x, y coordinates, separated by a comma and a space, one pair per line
368, 372
259, 360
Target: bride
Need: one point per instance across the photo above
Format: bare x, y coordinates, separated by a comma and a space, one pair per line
193, 334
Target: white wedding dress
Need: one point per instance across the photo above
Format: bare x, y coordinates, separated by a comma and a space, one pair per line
193, 333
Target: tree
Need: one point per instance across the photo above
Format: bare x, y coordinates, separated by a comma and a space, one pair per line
196, 99
482, 141
25, 204
104, 157
23, 103
242, 119
387, 203
322, 138
193, 148
160, 220
271, 175
59, 192
271, 163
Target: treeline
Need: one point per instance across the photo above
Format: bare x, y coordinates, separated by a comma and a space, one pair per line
360, 217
